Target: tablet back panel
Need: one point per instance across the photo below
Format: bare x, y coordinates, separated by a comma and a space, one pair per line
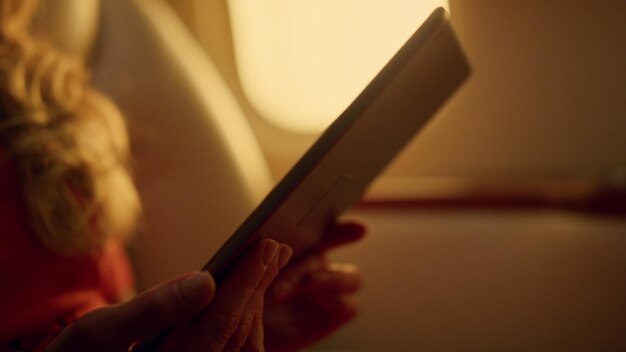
336, 171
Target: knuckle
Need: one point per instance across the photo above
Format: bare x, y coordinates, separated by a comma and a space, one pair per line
268, 278
239, 339
245, 326
224, 328
250, 282
265, 283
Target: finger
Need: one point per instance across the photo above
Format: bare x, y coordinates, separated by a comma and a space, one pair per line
316, 278
116, 327
335, 279
239, 338
339, 309
241, 335
288, 282
213, 328
255, 341
246, 323
343, 306
324, 315
342, 233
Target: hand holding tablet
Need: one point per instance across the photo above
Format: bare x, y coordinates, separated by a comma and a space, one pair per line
301, 211
337, 169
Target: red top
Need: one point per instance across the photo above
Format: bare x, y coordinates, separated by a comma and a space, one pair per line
41, 292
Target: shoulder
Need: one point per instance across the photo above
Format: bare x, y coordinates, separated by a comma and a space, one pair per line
38, 286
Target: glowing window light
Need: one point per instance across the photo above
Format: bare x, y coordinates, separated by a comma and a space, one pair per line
301, 62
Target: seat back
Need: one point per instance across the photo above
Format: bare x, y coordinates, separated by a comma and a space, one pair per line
199, 168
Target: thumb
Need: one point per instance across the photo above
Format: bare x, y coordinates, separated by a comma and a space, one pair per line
114, 328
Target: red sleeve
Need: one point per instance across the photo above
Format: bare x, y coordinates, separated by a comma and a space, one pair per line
40, 290
118, 281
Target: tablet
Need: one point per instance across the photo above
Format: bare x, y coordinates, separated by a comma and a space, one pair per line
335, 172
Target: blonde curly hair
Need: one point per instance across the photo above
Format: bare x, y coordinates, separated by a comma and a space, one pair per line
67, 141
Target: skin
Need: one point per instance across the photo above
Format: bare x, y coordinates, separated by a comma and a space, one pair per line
313, 297
266, 301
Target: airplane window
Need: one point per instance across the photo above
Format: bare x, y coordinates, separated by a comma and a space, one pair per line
302, 62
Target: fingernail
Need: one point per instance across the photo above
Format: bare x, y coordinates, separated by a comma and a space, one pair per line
197, 287
269, 253
284, 255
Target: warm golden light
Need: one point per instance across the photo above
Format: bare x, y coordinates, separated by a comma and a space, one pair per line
301, 62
